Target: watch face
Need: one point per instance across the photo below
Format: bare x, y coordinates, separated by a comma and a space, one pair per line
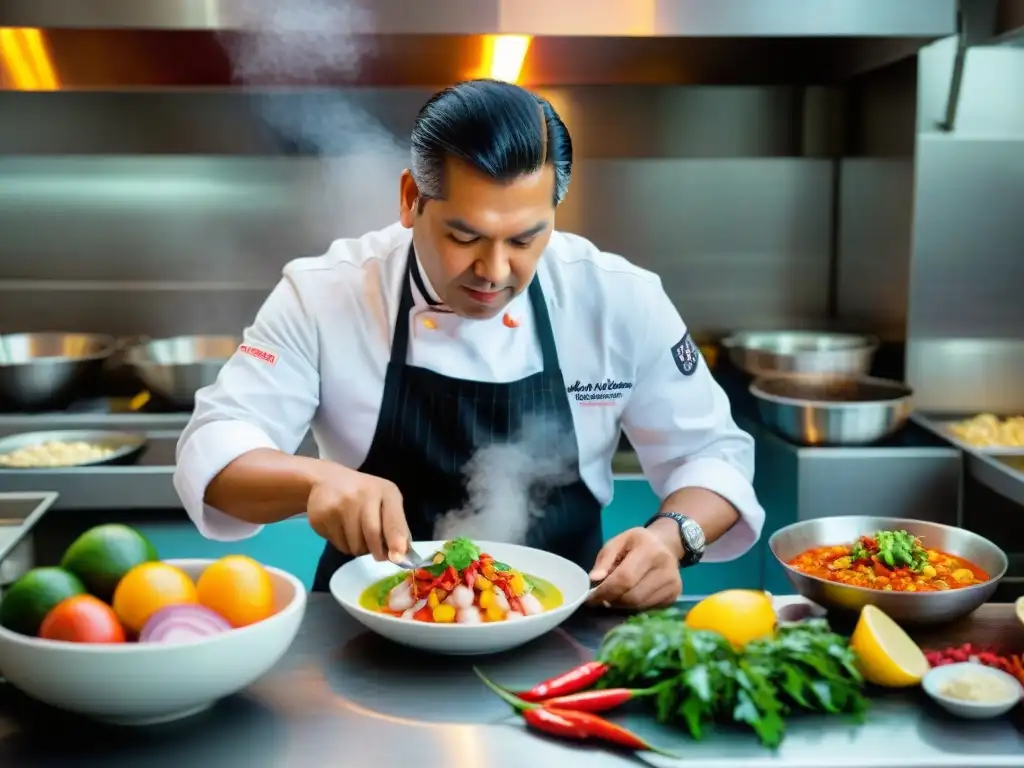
694, 536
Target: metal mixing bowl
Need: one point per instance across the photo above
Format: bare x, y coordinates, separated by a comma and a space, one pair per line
822, 410
767, 353
40, 370
904, 607
176, 368
127, 447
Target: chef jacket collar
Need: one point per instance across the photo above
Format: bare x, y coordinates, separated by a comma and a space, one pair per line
423, 287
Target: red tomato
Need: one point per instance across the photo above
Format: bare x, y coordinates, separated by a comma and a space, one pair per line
82, 619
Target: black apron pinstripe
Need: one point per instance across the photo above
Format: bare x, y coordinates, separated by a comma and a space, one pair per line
431, 425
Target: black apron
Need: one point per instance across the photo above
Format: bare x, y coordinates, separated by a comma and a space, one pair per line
431, 425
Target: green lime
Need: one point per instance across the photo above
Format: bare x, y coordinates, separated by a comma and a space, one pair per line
25, 604
101, 556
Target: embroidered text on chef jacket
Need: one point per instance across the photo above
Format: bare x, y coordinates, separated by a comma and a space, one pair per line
317, 352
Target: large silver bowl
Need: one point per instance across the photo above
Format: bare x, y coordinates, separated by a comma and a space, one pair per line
821, 410
41, 370
773, 353
177, 368
905, 607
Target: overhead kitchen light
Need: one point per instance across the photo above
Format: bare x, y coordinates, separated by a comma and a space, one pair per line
504, 56
26, 61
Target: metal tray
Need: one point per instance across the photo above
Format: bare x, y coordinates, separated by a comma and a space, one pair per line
1002, 473
938, 424
128, 446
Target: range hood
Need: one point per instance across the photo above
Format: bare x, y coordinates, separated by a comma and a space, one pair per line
117, 44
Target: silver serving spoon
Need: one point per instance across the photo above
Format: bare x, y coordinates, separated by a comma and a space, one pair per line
411, 560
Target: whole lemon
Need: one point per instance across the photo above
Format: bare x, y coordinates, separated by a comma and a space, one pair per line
739, 615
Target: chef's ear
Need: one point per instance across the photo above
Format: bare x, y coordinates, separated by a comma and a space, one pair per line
409, 200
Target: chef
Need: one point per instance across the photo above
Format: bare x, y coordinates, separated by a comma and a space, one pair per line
409, 349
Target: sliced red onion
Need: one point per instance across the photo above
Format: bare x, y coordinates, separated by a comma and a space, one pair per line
182, 624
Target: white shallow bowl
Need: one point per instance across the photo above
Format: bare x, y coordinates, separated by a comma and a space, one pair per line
970, 710
143, 683
352, 579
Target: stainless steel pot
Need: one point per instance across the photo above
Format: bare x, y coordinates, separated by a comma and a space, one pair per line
822, 410
905, 607
767, 353
176, 368
38, 370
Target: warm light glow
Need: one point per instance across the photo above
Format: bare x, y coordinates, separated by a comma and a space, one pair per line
504, 56
26, 60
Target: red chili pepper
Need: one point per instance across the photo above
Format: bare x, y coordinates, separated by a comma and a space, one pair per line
595, 701
569, 724
574, 680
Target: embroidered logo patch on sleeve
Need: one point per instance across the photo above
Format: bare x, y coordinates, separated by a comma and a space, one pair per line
686, 355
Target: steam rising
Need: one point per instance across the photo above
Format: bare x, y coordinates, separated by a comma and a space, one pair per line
508, 482
306, 40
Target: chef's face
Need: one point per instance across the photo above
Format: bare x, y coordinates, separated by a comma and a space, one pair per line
480, 245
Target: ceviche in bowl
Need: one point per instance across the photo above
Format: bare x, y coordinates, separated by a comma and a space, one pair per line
472, 597
915, 571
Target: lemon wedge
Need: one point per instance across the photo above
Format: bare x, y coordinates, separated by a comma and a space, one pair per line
885, 653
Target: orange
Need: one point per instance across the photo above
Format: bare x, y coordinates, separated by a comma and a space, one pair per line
238, 588
147, 588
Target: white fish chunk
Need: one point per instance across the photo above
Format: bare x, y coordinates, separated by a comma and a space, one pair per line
415, 607
400, 597
461, 597
469, 615
513, 615
531, 605
501, 601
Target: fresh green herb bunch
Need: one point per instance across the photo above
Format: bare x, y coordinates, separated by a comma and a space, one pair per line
701, 678
897, 549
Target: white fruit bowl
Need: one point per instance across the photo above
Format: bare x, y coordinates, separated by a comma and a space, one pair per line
352, 579
148, 683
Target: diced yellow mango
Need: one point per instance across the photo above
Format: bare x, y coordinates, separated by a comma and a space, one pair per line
932, 555
487, 599
518, 584
433, 600
494, 613
928, 572
963, 575
438, 558
482, 584
444, 614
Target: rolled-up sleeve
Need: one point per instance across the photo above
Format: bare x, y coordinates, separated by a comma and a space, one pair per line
679, 421
264, 397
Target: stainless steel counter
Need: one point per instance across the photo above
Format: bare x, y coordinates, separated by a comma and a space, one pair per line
345, 698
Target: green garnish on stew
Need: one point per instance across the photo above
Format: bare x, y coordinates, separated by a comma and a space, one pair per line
896, 549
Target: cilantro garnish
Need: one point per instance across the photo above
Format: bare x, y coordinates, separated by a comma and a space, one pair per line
701, 679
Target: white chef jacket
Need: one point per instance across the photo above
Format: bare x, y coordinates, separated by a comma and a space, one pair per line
316, 355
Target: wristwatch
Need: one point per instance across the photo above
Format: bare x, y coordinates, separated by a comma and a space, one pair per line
691, 534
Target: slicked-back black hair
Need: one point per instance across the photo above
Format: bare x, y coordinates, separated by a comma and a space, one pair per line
498, 128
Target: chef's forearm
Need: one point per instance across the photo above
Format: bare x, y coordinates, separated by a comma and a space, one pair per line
713, 513
264, 486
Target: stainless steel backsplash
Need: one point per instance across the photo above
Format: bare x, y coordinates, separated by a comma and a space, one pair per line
965, 349
164, 213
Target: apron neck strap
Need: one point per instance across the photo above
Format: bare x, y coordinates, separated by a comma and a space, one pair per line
542, 320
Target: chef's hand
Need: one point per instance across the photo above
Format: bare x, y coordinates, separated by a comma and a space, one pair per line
359, 513
639, 570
